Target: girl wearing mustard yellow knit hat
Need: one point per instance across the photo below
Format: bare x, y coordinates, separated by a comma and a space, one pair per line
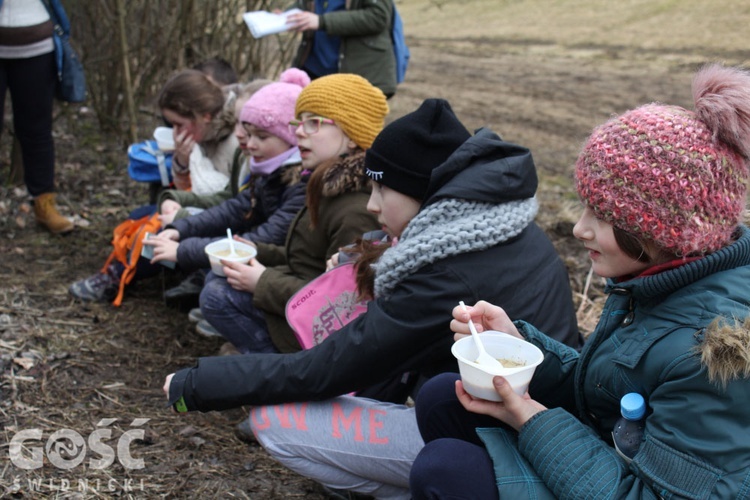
336, 118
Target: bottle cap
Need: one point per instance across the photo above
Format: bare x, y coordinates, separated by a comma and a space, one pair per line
633, 406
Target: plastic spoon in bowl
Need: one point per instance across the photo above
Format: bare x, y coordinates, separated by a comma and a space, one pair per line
483, 358
232, 252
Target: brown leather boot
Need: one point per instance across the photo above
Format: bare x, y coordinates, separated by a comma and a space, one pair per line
47, 215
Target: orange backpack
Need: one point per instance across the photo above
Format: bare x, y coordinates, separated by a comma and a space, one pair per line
127, 241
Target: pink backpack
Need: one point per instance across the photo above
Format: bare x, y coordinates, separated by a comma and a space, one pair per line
324, 305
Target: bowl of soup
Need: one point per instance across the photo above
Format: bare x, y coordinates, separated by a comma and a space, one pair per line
518, 357
219, 250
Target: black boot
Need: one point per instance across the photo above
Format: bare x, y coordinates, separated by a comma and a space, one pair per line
185, 295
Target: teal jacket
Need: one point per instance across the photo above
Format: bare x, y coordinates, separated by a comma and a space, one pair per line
680, 338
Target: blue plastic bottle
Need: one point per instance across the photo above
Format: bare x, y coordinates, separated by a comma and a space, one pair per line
628, 431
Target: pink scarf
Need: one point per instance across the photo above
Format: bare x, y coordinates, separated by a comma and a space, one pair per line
268, 166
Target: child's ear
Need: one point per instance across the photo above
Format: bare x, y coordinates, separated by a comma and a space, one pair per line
351, 145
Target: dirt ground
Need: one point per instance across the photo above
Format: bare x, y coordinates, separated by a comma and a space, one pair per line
65, 365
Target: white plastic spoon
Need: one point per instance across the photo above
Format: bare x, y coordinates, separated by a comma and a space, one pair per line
232, 252
483, 358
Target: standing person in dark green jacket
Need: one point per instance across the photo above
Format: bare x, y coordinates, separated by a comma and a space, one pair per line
664, 194
347, 36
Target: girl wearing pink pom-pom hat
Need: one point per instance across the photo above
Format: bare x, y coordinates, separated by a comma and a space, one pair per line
270, 182
265, 190
663, 190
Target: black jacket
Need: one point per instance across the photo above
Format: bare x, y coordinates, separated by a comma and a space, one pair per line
408, 331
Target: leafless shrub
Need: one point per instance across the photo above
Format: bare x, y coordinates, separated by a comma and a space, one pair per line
160, 37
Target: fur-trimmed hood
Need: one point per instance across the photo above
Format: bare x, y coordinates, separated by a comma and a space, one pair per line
725, 350
333, 178
345, 175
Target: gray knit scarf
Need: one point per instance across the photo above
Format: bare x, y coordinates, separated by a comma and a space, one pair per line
446, 228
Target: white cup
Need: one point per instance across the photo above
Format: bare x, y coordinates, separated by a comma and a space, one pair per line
477, 379
164, 139
219, 250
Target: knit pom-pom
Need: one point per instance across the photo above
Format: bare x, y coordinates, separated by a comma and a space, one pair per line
295, 76
722, 101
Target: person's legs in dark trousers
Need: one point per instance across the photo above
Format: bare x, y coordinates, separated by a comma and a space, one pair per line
32, 88
452, 468
31, 83
3, 89
440, 414
232, 313
312, 75
454, 462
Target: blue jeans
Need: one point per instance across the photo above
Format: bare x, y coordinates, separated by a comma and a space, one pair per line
453, 463
234, 316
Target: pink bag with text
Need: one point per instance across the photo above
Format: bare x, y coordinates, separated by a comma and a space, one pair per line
324, 305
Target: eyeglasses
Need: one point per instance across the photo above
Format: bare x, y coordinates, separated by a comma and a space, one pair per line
310, 125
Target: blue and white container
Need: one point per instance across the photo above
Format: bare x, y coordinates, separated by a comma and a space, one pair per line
628, 431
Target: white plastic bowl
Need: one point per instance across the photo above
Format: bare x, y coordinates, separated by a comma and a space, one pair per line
164, 139
219, 250
477, 379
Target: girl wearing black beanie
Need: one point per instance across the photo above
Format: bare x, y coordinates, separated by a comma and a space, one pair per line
460, 209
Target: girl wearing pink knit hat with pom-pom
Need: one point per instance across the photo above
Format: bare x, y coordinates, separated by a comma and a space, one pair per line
272, 182
261, 200
663, 190
265, 191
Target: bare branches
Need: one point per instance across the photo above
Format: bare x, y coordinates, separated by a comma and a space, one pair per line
129, 49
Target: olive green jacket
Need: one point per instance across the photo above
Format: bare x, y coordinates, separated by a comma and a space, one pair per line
342, 217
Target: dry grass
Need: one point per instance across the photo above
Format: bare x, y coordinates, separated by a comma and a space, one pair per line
695, 26
543, 73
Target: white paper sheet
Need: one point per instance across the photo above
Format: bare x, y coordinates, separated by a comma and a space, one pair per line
263, 23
